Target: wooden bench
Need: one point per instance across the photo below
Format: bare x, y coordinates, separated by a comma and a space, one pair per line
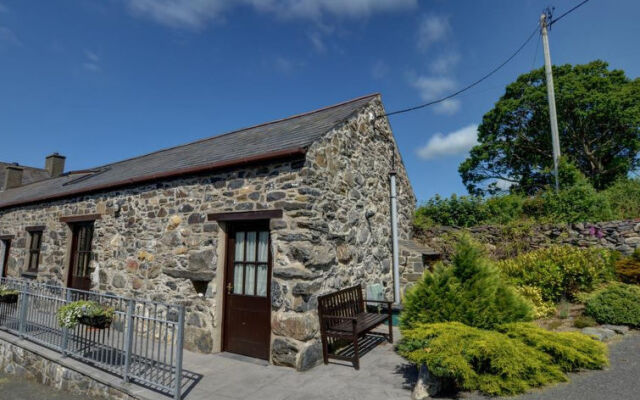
343, 315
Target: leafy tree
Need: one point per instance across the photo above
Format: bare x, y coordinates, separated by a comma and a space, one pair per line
598, 120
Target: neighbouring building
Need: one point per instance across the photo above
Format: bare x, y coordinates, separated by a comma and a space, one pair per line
245, 229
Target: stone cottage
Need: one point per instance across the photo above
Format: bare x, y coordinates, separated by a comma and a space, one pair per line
245, 228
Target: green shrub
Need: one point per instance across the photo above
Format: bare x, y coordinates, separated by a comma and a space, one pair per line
617, 304
584, 321
628, 268
518, 358
453, 211
470, 290
5, 291
624, 198
571, 351
541, 308
561, 271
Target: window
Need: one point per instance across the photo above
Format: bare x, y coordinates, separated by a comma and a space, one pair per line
5, 248
34, 251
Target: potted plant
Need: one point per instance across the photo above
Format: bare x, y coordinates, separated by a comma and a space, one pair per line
9, 296
89, 313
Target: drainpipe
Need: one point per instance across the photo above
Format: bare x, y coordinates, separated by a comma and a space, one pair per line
394, 238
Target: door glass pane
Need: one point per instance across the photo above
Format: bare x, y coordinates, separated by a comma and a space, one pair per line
3, 250
239, 256
251, 246
263, 247
249, 282
261, 288
237, 278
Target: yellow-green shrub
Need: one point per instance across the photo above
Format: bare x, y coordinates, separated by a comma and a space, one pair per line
617, 304
514, 360
561, 271
541, 308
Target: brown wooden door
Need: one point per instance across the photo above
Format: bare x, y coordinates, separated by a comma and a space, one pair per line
5, 248
247, 325
79, 274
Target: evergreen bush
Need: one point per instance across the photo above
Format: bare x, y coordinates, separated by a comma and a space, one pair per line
470, 290
510, 361
617, 304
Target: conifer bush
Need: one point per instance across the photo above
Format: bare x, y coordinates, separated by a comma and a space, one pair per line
628, 268
509, 361
471, 290
617, 304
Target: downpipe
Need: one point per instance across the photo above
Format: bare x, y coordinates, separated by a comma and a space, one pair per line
394, 238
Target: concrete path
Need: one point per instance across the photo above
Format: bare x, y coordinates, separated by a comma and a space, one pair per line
383, 375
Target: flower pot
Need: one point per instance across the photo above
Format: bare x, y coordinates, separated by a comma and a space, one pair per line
9, 298
97, 322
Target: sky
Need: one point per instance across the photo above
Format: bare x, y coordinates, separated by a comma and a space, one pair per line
104, 80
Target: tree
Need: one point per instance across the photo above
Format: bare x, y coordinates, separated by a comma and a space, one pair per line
598, 121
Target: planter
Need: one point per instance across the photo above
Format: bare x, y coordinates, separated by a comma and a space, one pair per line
97, 322
11, 298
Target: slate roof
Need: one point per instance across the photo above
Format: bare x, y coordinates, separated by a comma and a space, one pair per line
29, 174
283, 137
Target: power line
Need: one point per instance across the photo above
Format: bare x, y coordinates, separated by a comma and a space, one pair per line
568, 12
464, 89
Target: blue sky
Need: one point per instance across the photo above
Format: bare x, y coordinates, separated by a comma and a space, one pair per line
99, 81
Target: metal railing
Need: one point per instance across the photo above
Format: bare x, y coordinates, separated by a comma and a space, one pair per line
143, 344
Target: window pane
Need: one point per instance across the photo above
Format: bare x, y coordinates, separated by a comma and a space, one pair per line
249, 282
33, 262
3, 250
263, 247
237, 278
251, 246
261, 288
239, 256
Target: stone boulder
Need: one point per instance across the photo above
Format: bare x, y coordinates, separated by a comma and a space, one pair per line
427, 385
300, 326
600, 333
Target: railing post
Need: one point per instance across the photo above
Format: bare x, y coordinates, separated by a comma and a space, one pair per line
24, 304
128, 340
65, 331
179, 344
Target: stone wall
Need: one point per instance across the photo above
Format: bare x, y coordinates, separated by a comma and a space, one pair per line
14, 360
153, 241
509, 241
344, 237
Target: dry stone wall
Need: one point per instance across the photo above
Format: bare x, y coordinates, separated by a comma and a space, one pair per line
154, 241
509, 241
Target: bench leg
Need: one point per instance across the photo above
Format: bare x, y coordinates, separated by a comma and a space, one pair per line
356, 355
325, 349
390, 330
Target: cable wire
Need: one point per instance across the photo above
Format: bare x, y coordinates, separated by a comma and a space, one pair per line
464, 89
568, 12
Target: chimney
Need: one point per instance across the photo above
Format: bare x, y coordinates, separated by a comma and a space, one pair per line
13, 176
54, 164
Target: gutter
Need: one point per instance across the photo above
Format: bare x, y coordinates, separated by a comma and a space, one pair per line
274, 155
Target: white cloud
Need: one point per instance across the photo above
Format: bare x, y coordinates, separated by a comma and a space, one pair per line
433, 29
8, 38
457, 142
379, 70
449, 107
91, 62
444, 63
195, 14
433, 87
317, 42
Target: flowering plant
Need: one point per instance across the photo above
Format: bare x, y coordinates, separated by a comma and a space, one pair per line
70, 315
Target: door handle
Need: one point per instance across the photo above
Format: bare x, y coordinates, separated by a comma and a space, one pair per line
229, 288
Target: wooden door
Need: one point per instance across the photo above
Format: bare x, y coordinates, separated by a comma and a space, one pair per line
5, 248
247, 325
79, 274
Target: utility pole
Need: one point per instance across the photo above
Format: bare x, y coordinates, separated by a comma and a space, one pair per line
551, 96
